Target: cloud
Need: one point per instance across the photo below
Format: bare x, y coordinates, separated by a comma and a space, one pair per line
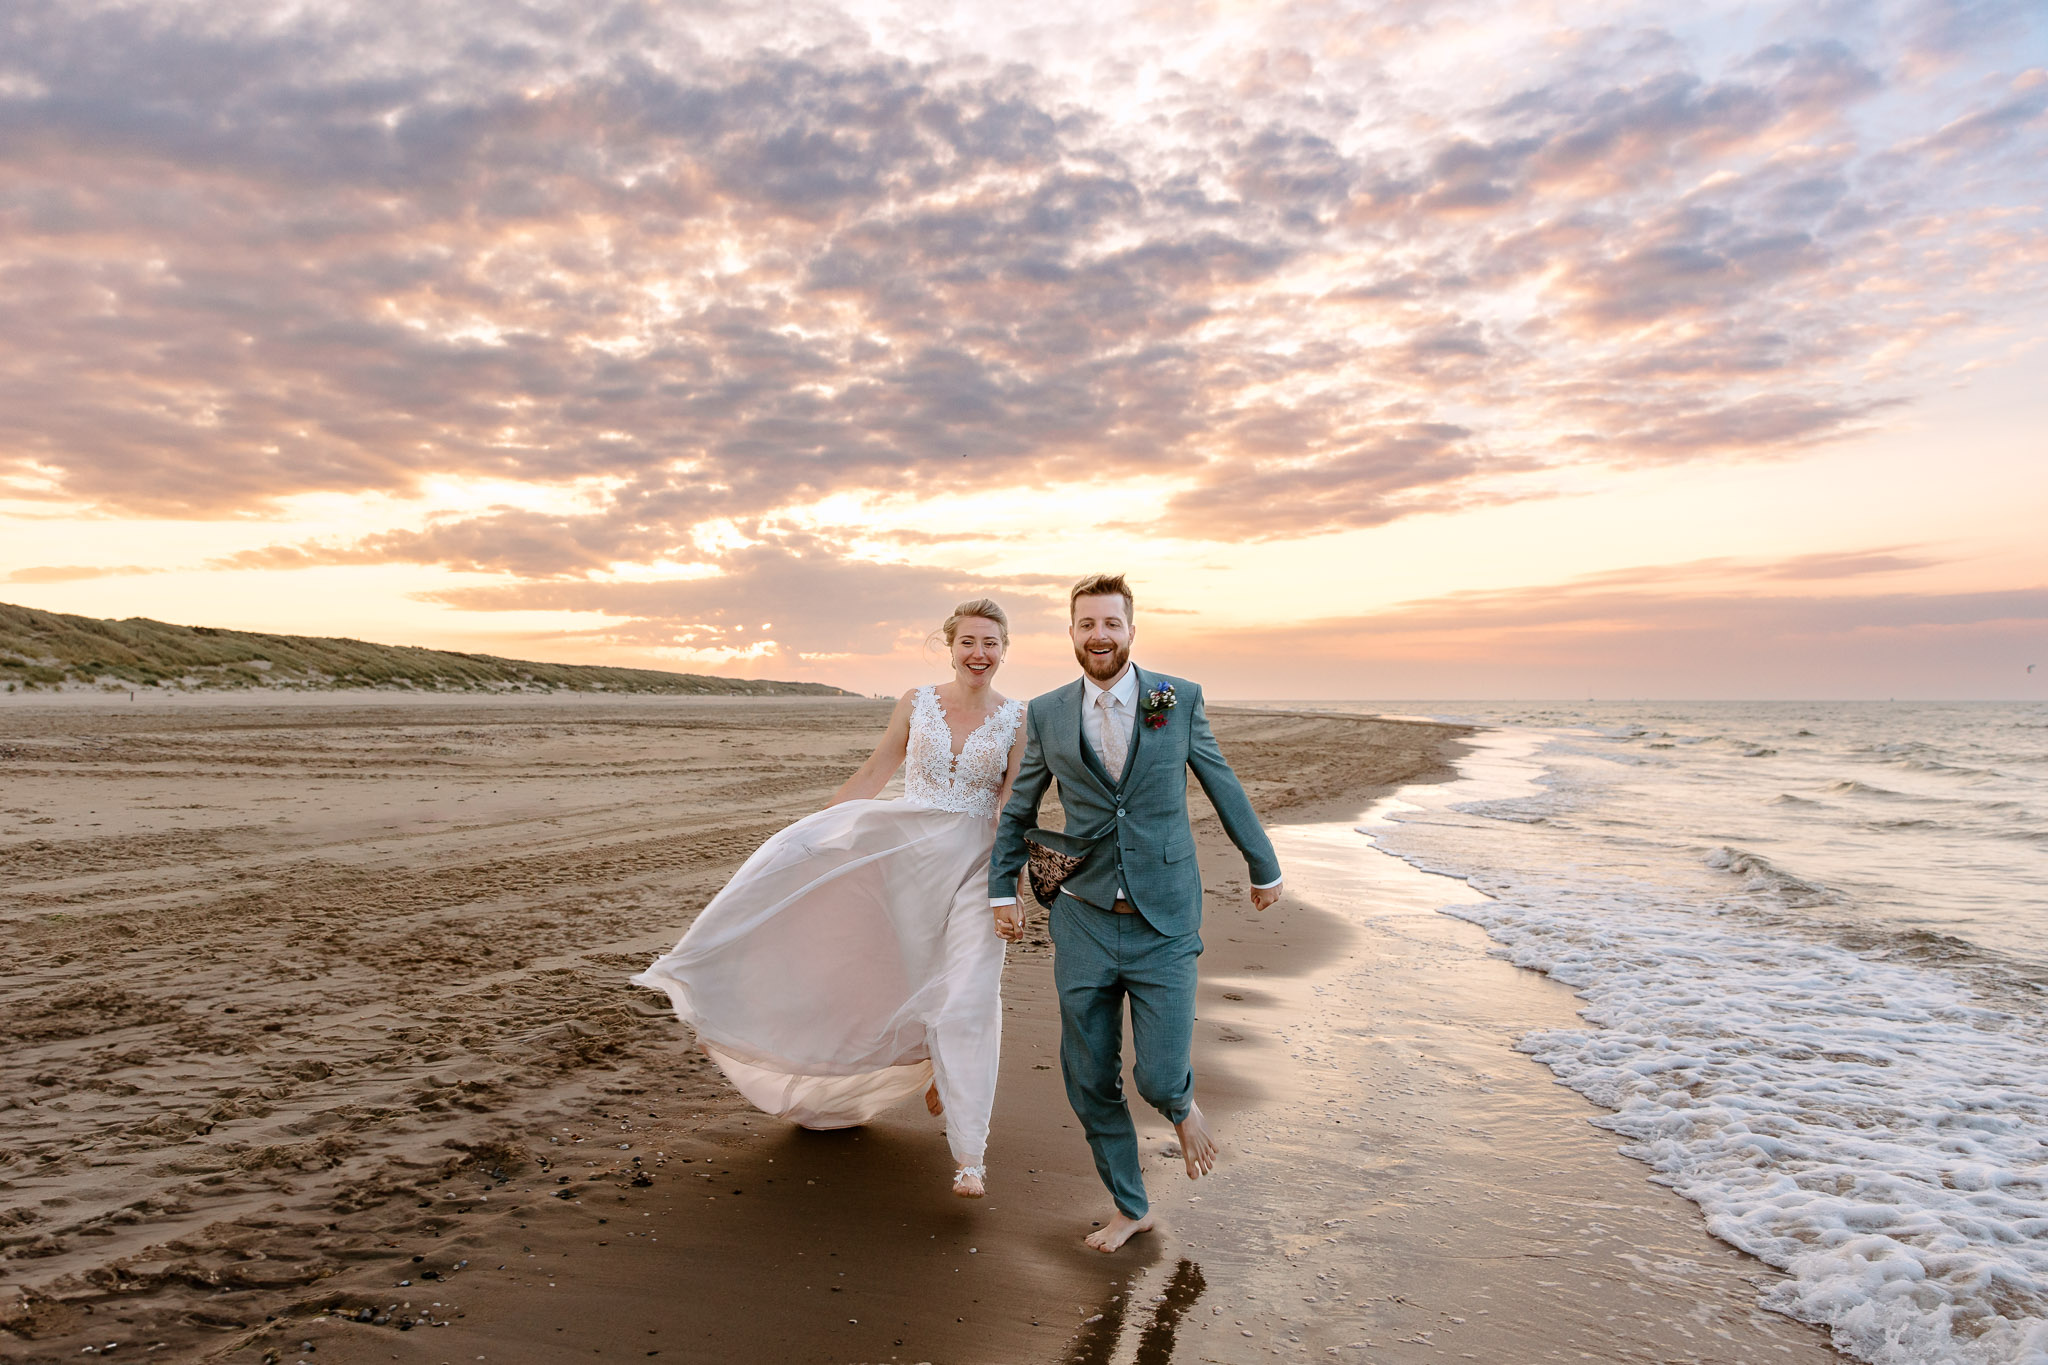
1386, 474
73, 573
1982, 130
1654, 428
1712, 628
1939, 33
503, 540
1847, 564
1567, 622
1716, 573
793, 596
727, 264
1707, 598
1695, 260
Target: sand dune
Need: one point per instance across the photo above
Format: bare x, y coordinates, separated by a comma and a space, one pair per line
52, 651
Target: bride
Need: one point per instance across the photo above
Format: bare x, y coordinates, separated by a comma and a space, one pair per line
849, 963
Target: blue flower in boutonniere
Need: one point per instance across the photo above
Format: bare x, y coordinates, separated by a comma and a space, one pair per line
1158, 702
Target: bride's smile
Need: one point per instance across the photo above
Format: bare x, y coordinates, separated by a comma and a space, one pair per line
977, 653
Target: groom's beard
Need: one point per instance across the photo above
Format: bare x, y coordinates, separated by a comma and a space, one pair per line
1103, 667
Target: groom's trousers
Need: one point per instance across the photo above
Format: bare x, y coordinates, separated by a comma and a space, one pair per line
1100, 959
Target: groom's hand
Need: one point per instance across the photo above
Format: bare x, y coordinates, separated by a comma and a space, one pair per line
1009, 920
1264, 896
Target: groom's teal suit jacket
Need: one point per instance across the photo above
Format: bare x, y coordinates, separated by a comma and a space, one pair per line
1133, 826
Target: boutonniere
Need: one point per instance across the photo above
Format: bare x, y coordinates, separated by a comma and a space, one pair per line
1158, 702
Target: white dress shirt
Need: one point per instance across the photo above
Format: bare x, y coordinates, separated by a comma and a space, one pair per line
1121, 711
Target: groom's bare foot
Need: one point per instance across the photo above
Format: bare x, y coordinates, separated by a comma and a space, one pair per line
1196, 1146
1119, 1230
931, 1101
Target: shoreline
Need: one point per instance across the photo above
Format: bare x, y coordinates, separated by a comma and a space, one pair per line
566, 1170
1421, 1190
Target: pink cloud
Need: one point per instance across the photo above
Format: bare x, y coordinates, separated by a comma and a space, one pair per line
250, 257
1716, 629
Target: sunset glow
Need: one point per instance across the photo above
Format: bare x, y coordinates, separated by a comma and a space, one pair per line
1395, 350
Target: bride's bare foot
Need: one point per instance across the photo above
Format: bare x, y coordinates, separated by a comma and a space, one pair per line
969, 1182
1196, 1146
931, 1101
1119, 1230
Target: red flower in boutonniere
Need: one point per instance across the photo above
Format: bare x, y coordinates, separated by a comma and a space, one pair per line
1157, 703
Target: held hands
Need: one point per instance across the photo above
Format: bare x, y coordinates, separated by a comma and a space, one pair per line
1264, 896
1009, 921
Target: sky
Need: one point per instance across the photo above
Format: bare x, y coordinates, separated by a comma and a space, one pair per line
1454, 349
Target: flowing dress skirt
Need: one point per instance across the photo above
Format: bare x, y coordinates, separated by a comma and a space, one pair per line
850, 963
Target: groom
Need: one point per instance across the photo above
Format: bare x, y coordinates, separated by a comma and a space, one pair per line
1126, 921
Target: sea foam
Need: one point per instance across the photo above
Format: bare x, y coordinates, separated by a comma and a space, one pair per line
1812, 943
1864, 1126
1849, 1087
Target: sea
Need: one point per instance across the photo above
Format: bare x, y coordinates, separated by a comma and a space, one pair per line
1811, 942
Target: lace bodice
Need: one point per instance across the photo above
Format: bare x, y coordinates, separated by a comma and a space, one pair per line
932, 776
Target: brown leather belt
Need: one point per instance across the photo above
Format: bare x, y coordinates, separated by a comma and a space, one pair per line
1124, 907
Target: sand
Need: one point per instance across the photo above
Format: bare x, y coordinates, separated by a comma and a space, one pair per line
320, 1048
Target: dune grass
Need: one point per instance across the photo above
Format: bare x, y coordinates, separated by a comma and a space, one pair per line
43, 650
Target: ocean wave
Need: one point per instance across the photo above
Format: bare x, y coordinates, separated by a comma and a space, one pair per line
1870, 1128
1517, 811
1956, 770
1956, 806
1900, 748
1788, 799
1748, 748
1920, 946
1853, 788
1765, 875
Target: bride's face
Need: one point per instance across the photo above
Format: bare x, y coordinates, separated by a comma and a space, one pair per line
977, 651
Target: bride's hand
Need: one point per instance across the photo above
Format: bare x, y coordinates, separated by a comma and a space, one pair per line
1009, 922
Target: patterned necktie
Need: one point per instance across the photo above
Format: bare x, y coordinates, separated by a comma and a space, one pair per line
1112, 737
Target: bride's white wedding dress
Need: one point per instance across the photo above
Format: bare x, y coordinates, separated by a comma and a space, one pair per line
851, 962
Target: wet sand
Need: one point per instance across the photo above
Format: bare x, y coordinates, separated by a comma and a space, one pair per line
319, 1034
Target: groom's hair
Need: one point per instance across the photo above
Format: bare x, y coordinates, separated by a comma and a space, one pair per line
1101, 585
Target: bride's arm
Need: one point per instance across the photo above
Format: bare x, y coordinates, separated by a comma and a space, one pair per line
882, 764
1010, 775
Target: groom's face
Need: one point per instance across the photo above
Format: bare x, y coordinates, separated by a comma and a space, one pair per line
1102, 634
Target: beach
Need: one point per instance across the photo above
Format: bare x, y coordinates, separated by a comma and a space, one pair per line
322, 1049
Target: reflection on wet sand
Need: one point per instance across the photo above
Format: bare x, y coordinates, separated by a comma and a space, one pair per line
1103, 1334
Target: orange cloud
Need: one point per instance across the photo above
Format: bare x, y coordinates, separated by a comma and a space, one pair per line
72, 573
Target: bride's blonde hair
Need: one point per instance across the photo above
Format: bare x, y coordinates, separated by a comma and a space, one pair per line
984, 607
